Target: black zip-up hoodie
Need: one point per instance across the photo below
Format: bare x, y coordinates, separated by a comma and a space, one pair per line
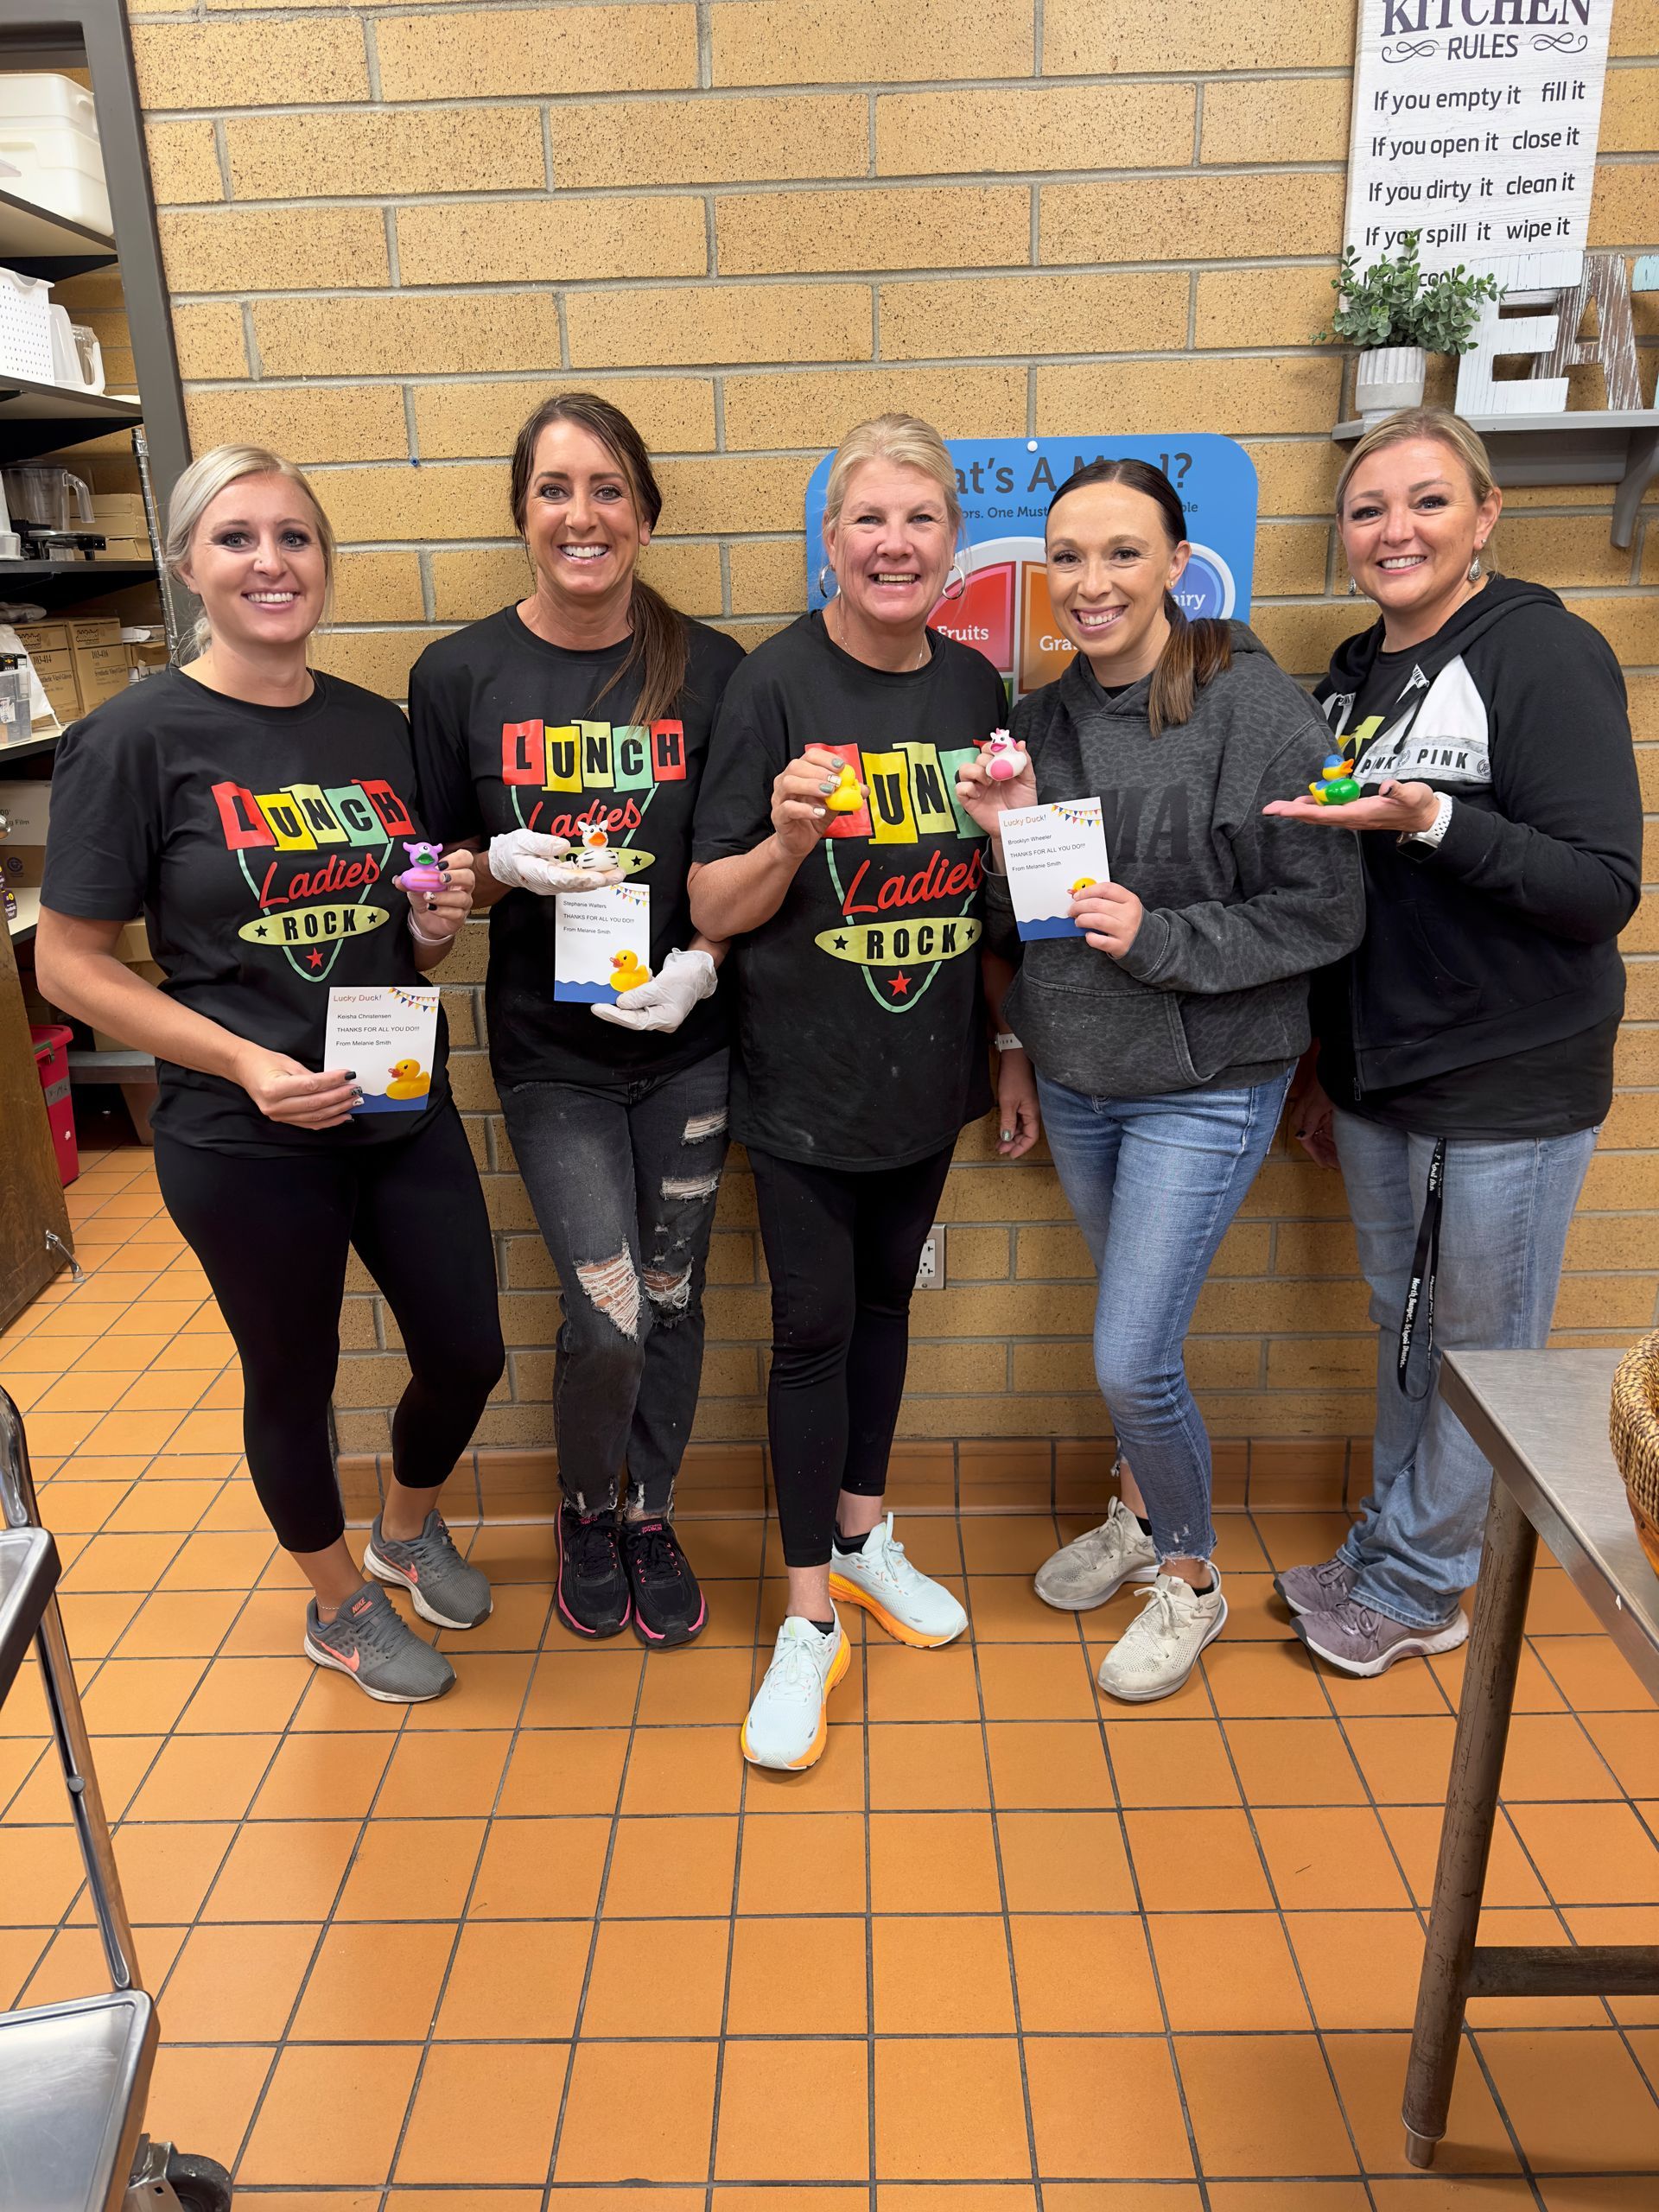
1504, 937
1240, 906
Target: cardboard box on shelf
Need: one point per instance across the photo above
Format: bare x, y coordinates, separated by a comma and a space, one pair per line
112, 507
127, 548
42, 638
94, 630
28, 809
57, 673
100, 672
132, 946
21, 864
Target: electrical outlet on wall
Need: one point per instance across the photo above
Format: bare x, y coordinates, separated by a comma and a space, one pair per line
930, 1268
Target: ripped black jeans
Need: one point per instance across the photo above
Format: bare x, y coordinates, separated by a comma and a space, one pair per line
624, 1181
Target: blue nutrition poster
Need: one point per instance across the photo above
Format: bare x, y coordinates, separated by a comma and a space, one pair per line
1006, 486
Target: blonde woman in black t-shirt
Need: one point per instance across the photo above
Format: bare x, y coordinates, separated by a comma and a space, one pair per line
260, 814
828, 844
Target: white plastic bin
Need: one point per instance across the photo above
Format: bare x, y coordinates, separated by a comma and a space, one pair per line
60, 169
25, 326
44, 96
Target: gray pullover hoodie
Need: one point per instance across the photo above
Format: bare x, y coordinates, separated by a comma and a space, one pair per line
1239, 906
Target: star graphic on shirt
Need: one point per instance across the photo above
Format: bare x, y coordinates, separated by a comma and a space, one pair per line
841, 944
900, 985
263, 932
314, 959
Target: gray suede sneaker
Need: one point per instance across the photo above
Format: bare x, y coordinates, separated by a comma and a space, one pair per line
446, 1590
1094, 1565
1361, 1641
1316, 1589
367, 1640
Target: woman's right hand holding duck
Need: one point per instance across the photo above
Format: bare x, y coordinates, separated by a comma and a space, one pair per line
799, 817
985, 798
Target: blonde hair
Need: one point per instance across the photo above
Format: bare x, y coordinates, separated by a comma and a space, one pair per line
200, 485
1438, 424
907, 443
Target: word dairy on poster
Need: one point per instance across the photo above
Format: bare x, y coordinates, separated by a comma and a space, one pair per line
1475, 123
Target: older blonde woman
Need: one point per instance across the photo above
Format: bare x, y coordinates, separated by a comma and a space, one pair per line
259, 814
829, 845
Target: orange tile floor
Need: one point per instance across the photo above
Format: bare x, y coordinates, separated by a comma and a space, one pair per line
547, 1942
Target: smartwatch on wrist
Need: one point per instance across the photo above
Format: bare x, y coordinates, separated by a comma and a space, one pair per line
1436, 829
1008, 1042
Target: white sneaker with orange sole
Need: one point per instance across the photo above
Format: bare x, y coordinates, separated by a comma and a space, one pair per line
788, 1720
880, 1578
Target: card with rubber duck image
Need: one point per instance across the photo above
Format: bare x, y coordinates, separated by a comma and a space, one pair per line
387, 1040
1052, 853
602, 942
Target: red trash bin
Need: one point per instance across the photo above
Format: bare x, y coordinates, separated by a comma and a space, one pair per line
52, 1059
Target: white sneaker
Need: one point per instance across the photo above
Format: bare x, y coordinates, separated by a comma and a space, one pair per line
1159, 1651
787, 1723
906, 1603
1094, 1565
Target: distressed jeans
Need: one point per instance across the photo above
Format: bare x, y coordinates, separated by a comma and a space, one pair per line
1154, 1184
1508, 1204
624, 1183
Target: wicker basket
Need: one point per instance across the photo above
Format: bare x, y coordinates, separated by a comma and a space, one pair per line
1635, 1428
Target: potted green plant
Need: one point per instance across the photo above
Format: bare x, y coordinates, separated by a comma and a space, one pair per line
1396, 317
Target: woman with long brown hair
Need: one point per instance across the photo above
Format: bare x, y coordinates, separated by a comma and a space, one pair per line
567, 729
1164, 1032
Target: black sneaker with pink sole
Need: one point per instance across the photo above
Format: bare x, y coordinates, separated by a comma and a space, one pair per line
593, 1582
668, 1605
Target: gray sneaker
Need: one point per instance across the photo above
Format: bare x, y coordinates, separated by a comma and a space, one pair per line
446, 1590
1361, 1641
367, 1640
1316, 1589
1094, 1565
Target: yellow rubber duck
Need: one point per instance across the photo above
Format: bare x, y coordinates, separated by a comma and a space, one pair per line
627, 971
1083, 883
846, 797
409, 1080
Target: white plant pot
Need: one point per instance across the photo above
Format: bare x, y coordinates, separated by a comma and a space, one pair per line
1388, 378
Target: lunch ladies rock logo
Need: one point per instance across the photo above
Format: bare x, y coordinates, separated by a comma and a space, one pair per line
568, 779
311, 854
900, 921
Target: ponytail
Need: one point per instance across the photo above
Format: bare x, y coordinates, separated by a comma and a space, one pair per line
660, 649
1193, 654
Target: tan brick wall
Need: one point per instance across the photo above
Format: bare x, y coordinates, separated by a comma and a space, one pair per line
390, 229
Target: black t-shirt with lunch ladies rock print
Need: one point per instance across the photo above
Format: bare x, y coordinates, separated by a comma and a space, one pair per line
510, 733
859, 1009
260, 844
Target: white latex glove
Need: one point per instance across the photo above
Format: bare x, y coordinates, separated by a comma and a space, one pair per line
664, 1002
525, 860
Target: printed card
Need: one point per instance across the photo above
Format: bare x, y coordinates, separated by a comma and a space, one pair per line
602, 942
1051, 853
388, 1038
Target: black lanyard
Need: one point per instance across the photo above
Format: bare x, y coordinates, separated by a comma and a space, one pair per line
1420, 1291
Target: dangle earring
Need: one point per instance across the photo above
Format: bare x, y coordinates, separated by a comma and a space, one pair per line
1353, 587
1473, 574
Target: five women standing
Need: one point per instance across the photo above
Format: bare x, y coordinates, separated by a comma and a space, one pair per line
823, 809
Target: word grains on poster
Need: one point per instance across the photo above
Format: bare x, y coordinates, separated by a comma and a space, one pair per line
1475, 124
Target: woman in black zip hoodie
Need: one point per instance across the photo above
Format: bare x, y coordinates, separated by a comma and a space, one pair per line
1466, 1047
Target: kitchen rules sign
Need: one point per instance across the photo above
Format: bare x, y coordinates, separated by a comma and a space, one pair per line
1475, 123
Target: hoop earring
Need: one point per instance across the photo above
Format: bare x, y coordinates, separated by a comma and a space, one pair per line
1353, 588
961, 576
1473, 574
825, 592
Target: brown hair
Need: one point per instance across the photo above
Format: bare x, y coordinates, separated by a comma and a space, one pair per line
1194, 652
660, 649
1437, 423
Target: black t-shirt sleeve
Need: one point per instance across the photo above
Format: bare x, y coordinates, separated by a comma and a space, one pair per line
447, 796
746, 754
105, 824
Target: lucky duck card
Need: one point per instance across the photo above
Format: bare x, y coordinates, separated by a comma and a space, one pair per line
602, 942
1052, 852
388, 1039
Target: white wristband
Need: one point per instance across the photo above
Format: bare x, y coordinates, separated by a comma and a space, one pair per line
1436, 829
444, 936
1008, 1042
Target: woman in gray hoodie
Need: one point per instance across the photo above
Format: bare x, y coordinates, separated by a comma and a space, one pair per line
1164, 1032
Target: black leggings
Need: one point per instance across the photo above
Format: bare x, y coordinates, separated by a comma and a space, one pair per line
272, 1235
842, 1250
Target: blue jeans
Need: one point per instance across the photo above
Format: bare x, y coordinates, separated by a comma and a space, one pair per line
1155, 1183
1508, 1204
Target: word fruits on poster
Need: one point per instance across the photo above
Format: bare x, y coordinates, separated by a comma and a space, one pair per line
1006, 483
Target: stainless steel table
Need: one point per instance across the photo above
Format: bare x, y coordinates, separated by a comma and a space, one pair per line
1541, 1418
